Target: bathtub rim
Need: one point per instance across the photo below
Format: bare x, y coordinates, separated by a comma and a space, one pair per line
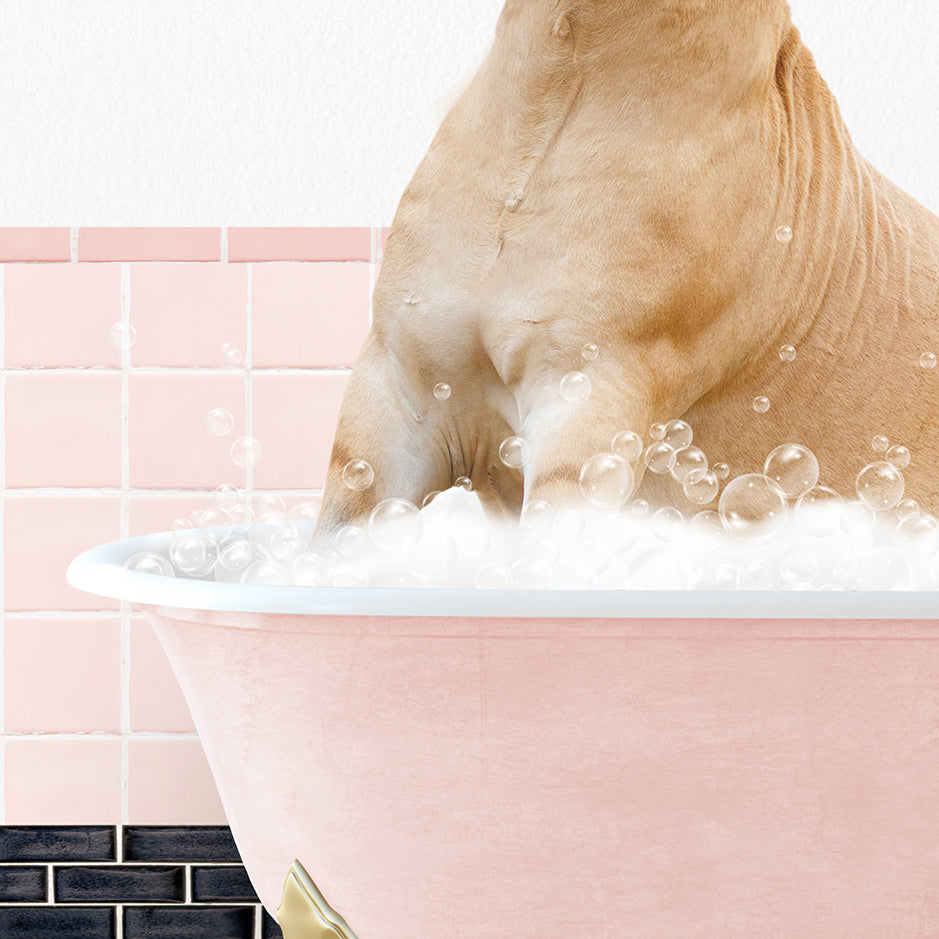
100, 571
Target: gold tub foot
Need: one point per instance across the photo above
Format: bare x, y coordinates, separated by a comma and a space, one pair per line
304, 913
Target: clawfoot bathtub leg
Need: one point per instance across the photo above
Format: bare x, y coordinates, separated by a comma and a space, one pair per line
304, 913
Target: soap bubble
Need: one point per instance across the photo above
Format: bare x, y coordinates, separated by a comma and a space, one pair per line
463, 482
639, 507
761, 404
752, 507
880, 485
494, 576
575, 387
628, 445
514, 452
245, 451
759, 574
787, 353
216, 517
589, 351
358, 475
308, 570
429, 498
818, 511
306, 511
195, 516
227, 496
701, 489
677, 435
286, 543
721, 470
219, 422
181, 524
241, 514
920, 529
885, 569
568, 525
235, 554
659, 457
351, 541
193, 555
536, 516
122, 336
708, 528
668, 524
656, 431
232, 353
880, 443
927, 360
267, 572
606, 480
530, 574
349, 574
442, 391
394, 524
793, 468
899, 457
799, 566
269, 504
907, 508
784, 234
690, 465
149, 562
857, 518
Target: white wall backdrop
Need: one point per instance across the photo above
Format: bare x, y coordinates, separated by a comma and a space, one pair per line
315, 112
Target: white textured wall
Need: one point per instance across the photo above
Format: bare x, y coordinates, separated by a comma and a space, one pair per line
316, 111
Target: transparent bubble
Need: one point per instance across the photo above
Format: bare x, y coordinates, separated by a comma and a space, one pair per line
880, 485
245, 451
606, 480
232, 353
149, 562
899, 457
885, 569
568, 525
784, 234
659, 457
919, 530
463, 482
308, 570
927, 360
678, 435
195, 516
752, 507
880, 443
793, 468
121, 336
708, 528
286, 543
267, 504
267, 572
358, 475
787, 353
656, 431
429, 498
227, 496
219, 422
182, 524
721, 470
442, 391
575, 387
514, 452
758, 574
349, 574
761, 404
907, 508
530, 574
589, 351
639, 507
668, 524
193, 555
216, 517
690, 465
494, 576
306, 511
394, 524
701, 489
799, 566
857, 518
241, 514
351, 541
628, 445
818, 511
235, 554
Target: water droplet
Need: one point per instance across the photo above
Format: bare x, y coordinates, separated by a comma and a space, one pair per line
907, 508
442, 391
463, 482
628, 445
122, 336
358, 475
761, 404
219, 422
818, 511
245, 451
794, 469
514, 452
575, 387
394, 524
721, 470
606, 480
927, 360
656, 431
880, 443
690, 465
787, 353
659, 457
752, 507
589, 351
232, 353
149, 562
784, 234
351, 541
701, 489
880, 485
899, 457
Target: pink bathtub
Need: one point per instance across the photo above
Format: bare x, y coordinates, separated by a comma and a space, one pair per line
544, 764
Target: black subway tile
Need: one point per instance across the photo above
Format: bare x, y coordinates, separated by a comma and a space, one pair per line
57, 843
119, 884
222, 883
269, 927
155, 922
177, 843
22, 884
49, 922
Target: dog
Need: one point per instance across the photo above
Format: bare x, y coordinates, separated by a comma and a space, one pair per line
671, 182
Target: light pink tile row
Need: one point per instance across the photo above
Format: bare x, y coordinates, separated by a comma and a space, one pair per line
303, 315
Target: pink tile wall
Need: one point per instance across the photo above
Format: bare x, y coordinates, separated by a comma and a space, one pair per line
99, 442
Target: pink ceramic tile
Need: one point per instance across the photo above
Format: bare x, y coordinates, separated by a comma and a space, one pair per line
299, 244
35, 244
55, 781
156, 703
41, 536
61, 314
309, 314
63, 674
149, 244
295, 420
170, 784
184, 312
170, 444
152, 512
63, 429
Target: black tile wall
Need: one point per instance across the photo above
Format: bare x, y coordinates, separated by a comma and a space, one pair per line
142, 882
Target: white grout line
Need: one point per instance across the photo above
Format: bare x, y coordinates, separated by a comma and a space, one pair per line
50, 884
73, 244
223, 246
84, 734
187, 883
183, 369
126, 300
3, 500
249, 379
258, 921
114, 490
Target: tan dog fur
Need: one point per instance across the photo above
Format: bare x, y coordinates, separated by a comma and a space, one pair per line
615, 173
